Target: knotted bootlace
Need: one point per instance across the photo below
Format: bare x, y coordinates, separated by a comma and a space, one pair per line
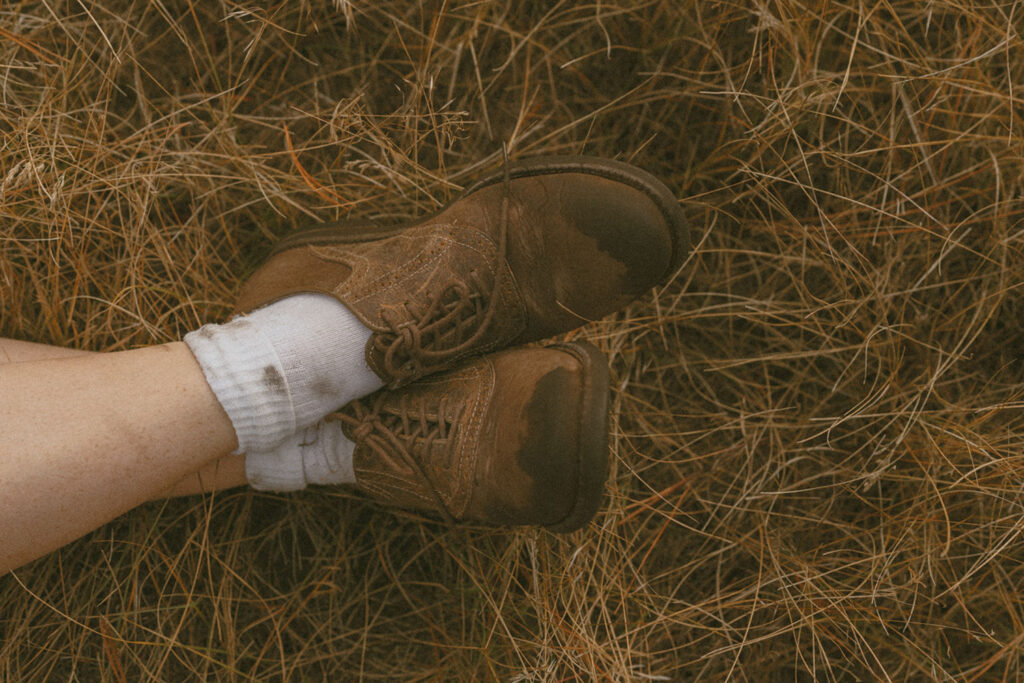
422, 338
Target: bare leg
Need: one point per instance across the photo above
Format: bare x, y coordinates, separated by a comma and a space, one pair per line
13, 351
222, 473
87, 437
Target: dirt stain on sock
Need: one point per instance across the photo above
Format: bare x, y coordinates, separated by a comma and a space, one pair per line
323, 388
274, 380
205, 332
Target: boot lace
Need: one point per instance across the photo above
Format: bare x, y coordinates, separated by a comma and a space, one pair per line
409, 431
421, 338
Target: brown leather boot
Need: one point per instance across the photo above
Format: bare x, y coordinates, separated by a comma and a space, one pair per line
534, 250
512, 438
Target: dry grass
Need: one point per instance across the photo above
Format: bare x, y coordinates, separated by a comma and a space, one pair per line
818, 431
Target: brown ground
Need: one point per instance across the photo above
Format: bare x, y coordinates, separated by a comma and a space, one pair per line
817, 465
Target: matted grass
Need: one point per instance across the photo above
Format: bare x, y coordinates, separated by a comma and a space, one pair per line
817, 448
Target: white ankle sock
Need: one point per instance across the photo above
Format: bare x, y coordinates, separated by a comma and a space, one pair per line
320, 454
282, 367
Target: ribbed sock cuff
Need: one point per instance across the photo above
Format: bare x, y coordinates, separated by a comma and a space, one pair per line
327, 457
322, 348
320, 454
276, 470
247, 377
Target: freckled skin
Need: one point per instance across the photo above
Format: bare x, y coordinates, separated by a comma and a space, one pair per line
132, 424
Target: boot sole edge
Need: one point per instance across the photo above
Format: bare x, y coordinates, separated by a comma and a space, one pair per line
355, 231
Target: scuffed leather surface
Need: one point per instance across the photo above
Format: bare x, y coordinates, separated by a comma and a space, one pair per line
451, 467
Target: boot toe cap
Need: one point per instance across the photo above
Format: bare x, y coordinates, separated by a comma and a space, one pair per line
619, 242
550, 443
